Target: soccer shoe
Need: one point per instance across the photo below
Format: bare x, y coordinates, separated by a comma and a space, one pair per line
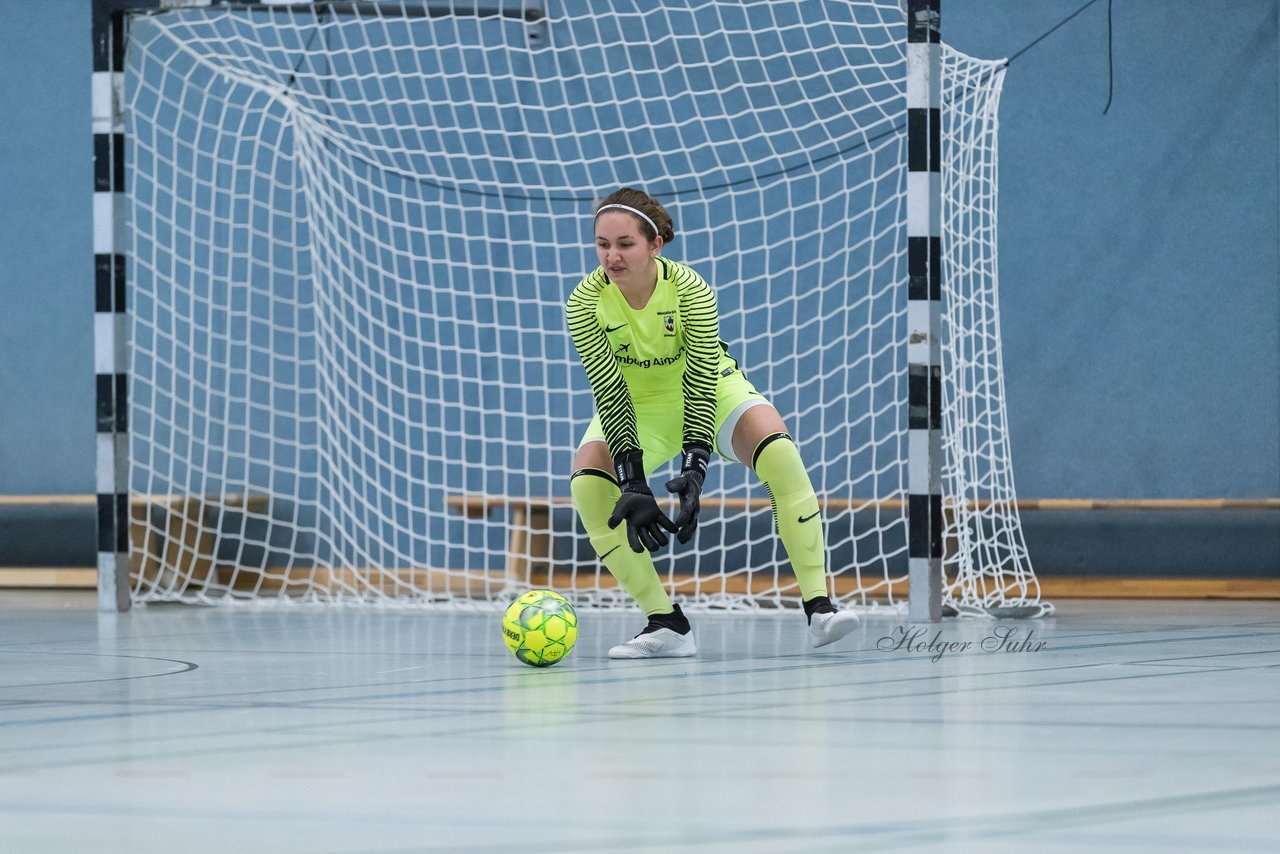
831, 626
665, 636
659, 643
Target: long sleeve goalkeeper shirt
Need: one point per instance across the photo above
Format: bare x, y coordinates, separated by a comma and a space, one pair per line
668, 350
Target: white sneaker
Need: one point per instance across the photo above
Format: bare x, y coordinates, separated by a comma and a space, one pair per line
831, 626
659, 643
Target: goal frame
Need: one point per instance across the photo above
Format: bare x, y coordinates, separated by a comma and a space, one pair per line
110, 319
111, 335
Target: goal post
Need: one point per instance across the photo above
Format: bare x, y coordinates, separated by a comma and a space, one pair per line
924, 309
342, 235
110, 311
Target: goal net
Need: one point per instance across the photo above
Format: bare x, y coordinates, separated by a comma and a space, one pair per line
352, 231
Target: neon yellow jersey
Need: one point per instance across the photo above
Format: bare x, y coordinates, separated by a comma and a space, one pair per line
668, 350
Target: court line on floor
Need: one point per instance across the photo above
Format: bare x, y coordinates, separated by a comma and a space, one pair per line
186, 667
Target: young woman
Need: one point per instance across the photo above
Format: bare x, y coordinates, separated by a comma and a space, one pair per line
647, 332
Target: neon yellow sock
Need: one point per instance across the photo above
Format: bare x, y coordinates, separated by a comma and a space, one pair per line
795, 510
594, 494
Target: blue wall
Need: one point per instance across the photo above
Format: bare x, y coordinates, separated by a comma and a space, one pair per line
1139, 249
46, 249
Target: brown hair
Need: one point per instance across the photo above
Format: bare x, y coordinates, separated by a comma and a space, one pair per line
644, 203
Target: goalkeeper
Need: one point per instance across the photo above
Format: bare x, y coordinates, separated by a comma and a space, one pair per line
647, 332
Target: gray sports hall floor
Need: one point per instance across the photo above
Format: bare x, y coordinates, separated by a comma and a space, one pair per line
1138, 726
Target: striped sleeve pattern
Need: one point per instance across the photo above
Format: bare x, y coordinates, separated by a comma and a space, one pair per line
608, 386
700, 318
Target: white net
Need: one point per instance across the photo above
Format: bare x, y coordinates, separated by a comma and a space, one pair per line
988, 568
353, 231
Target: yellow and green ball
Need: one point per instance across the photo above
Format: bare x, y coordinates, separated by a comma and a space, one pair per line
540, 627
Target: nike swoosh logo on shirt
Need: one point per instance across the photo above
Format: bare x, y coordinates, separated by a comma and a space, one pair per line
807, 518
611, 551
614, 328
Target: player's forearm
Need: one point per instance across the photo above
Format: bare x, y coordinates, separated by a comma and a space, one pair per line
701, 377
699, 410
608, 386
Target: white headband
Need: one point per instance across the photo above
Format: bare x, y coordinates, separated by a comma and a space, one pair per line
629, 209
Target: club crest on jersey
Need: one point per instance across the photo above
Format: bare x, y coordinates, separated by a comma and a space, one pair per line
670, 323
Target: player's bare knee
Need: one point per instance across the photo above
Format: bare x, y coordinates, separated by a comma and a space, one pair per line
592, 455
757, 424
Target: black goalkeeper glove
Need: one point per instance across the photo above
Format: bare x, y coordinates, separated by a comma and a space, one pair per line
637, 506
693, 473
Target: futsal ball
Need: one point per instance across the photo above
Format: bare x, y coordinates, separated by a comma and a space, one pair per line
540, 627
